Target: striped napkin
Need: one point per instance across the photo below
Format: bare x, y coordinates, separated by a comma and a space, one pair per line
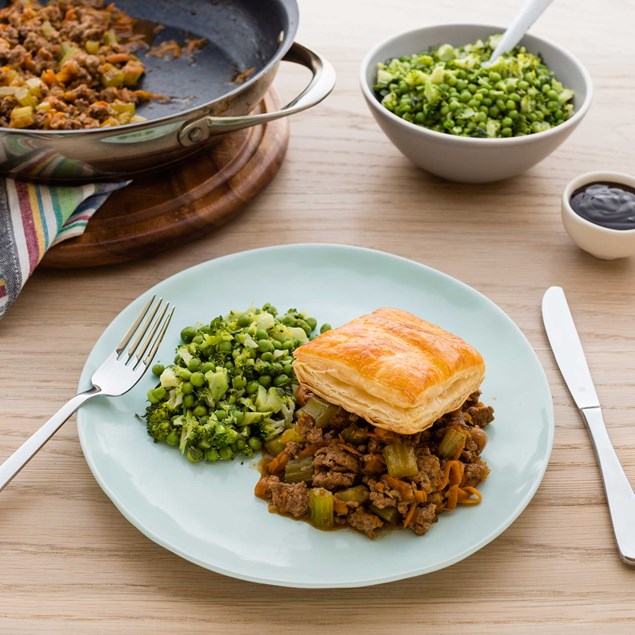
34, 217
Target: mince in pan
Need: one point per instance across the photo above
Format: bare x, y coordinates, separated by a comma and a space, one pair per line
68, 65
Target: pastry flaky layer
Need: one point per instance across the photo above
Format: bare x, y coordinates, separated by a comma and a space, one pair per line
392, 368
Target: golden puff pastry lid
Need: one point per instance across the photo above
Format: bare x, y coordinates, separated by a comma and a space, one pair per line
392, 368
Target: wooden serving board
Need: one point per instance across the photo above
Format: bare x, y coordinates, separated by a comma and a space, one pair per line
181, 202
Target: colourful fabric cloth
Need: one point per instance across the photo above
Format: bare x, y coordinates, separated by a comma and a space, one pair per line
32, 218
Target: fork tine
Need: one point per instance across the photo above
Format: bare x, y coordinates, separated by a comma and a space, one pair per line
159, 338
149, 336
131, 331
132, 349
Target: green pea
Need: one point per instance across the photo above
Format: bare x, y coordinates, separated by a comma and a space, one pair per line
187, 388
265, 346
261, 334
240, 444
157, 369
244, 320
173, 437
225, 347
312, 322
151, 397
325, 327
187, 334
281, 380
212, 455
194, 364
287, 369
254, 443
197, 379
160, 393
252, 387
207, 366
226, 454
265, 380
189, 401
198, 339
239, 382
199, 411
266, 357
288, 345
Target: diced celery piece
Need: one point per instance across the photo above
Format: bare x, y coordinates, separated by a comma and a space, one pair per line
400, 459
21, 117
321, 508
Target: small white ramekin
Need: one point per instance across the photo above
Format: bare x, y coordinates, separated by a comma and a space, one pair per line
601, 242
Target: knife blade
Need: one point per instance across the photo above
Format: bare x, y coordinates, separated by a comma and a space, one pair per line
567, 350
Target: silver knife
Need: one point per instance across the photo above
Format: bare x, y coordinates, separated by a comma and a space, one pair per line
567, 350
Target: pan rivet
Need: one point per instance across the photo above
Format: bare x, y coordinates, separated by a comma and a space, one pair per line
195, 135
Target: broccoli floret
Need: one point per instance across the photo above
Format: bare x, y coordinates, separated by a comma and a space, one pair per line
270, 428
223, 436
158, 421
191, 430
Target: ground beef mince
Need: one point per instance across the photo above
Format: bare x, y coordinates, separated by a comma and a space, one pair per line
288, 498
365, 522
347, 467
69, 64
423, 517
481, 415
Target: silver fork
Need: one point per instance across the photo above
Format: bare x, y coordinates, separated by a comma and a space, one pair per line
116, 376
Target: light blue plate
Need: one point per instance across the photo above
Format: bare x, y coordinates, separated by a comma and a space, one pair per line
207, 513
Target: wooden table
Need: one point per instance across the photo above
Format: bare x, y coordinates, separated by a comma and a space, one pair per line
70, 563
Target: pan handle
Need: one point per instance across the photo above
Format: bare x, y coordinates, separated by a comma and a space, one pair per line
321, 85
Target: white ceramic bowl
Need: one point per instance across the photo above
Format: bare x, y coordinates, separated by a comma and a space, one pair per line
468, 159
601, 242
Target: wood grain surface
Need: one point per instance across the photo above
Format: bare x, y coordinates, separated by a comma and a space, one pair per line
70, 563
182, 202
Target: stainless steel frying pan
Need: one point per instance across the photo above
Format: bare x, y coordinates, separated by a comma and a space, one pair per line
205, 99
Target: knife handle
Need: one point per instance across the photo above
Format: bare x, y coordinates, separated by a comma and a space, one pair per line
619, 493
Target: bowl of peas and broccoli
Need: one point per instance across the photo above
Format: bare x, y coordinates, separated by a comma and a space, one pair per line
456, 118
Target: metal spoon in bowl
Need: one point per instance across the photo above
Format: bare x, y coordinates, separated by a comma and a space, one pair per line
531, 11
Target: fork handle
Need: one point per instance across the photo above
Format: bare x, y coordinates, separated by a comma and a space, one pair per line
619, 494
32, 445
